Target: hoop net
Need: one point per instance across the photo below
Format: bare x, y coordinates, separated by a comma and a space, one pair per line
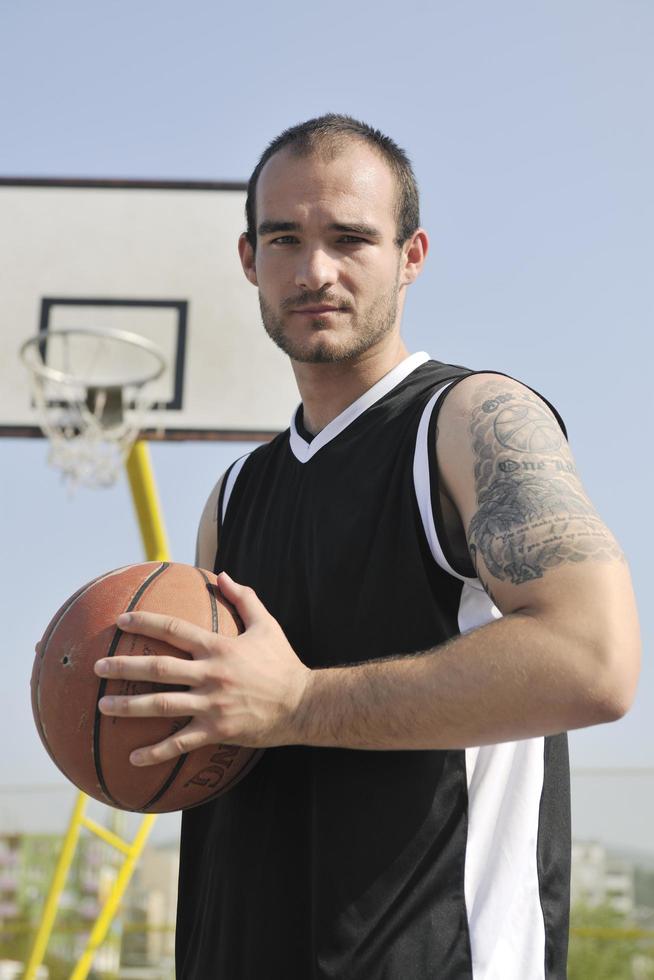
91, 396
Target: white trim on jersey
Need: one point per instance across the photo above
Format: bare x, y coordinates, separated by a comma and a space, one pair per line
304, 450
422, 484
505, 783
232, 477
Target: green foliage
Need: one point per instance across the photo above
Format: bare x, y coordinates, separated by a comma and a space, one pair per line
58, 968
16, 942
602, 946
16, 938
644, 888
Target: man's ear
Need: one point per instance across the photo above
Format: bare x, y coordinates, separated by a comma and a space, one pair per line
414, 253
247, 256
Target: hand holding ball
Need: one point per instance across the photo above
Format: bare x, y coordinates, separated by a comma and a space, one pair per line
93, 749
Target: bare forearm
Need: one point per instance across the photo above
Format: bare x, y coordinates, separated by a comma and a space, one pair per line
512, 679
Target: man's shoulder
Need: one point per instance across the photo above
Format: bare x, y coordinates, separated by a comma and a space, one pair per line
432, 377
488, 391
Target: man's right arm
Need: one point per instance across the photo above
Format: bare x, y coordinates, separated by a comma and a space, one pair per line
206, 547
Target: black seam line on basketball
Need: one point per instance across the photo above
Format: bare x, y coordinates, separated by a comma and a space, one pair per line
182, 759
46, 641
214, 605
167, 783
103, 685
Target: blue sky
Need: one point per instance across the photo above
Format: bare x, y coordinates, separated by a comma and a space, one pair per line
529, 125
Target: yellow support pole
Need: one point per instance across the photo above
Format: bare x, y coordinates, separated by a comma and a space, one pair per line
56, 888
148, 511
106, 835
146, 503
102, 923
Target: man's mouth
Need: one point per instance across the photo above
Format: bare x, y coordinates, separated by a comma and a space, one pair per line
316, 309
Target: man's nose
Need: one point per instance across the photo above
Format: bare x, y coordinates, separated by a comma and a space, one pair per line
316, 269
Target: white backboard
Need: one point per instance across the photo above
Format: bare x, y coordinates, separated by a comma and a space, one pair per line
157, 259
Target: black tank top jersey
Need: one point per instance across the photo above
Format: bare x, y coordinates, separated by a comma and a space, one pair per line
369, 865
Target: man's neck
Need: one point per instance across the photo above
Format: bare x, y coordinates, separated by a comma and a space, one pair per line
327, 389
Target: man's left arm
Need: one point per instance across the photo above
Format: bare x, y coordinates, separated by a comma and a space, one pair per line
566, 652
564, 655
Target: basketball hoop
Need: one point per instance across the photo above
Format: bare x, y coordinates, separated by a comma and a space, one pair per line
91, 396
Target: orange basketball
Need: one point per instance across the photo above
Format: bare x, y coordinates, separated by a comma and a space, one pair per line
92, 749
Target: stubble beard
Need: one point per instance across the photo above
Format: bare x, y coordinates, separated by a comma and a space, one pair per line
367, 331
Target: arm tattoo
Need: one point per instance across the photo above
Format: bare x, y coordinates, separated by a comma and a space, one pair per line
532, 512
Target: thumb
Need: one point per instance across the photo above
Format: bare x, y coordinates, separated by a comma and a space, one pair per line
248, 605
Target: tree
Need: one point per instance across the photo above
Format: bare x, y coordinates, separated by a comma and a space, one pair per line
603, 946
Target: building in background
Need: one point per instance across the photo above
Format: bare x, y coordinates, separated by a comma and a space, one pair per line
150, 908
602, 878
142, 935
142, 940
617, 879
27, 863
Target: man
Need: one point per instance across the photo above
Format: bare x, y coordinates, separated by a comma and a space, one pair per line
431, 586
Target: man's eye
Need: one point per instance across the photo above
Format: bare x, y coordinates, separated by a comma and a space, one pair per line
284, 240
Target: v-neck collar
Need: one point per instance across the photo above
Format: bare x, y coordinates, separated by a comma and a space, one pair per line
304, 450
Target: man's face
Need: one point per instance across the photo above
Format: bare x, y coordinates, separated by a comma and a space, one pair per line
326, 264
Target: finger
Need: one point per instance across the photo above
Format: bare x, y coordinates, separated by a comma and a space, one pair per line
159, 670
178, 632
189, 738
161, 704
248, 605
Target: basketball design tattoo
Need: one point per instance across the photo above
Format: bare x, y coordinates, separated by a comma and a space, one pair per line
527, 429
533, 513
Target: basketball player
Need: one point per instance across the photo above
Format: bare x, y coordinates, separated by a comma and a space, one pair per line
430, 602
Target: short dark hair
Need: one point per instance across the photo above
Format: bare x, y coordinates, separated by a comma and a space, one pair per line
331, 131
